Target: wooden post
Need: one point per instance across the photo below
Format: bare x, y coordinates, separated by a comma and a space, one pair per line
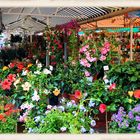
65, 46
131, 40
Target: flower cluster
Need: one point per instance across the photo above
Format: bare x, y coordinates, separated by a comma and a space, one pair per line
126, 122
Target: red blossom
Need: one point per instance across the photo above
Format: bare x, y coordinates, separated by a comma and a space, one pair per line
6, 84
112, 86
8, 107
12, 65
102, 108
53, 63
137, 94
8, 113
20, 66
2, 118
60, 46
11, 77
78, 94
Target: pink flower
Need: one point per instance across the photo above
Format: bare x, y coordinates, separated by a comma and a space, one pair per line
112, 86
35, 96
85, 63
91, 59
104, 51
83, 49
102, 58
87, 74
106, 44
102, 108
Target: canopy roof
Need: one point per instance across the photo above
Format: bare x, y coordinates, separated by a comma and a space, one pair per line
35, 19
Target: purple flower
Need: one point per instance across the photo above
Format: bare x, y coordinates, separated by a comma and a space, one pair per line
130, 115
138, 127
138, 118
137, 108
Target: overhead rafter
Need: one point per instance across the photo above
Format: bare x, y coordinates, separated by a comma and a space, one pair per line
41, 15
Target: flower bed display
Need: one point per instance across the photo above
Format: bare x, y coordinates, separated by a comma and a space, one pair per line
76, 96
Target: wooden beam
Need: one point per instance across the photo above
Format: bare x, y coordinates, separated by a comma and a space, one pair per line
110, 15
42, 15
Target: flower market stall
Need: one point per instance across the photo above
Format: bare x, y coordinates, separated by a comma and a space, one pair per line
62, 78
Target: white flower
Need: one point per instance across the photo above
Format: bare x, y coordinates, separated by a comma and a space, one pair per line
37, 72
91, 103
47, 112
51, 68
17, 82
82, 120
39, 65
82, 108
37, 119
24, 72
91, 131
69, 104
62, 100
30, 130
63, 129
35, 96
55, 107
74, 113
61, 108
46, 71
93, 123
49, 107
83, 130
26, 86
46, 91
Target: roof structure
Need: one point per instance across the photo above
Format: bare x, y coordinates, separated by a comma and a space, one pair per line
35, 19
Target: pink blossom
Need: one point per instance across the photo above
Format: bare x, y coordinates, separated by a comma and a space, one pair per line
83, 49
87, 74
112, 86
106, 44
91, 59
85, 63
102, 58
104, 51
88, 65
87, 54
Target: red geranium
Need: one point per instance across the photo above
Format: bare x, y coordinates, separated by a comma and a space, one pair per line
102, 108
11, 77
137, 94
112, 86
6, 84
78, 94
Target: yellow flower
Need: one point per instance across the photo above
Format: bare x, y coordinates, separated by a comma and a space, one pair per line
130, 93
130, 101
56, 92
5, 68
29, 65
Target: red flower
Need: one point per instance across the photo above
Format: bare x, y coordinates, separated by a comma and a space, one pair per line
102, 108
6, 84
60, 47
8, 113
8, 107
137, 94
1, 116
113, 86
12, 65
20, 66
53, 63
11, 77
78, 94
52, 57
